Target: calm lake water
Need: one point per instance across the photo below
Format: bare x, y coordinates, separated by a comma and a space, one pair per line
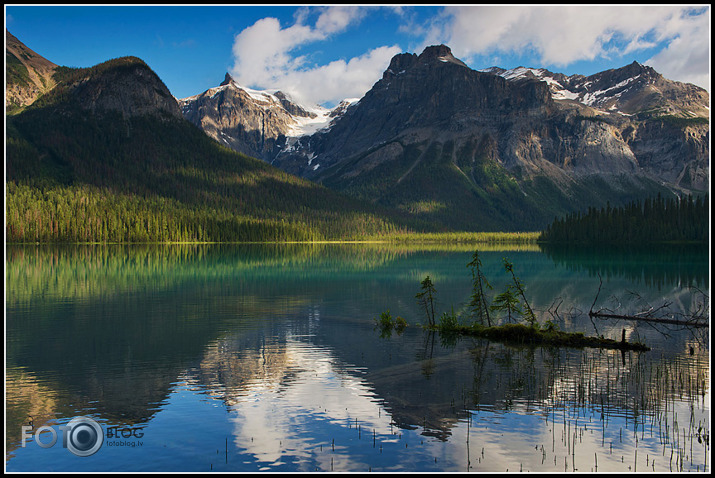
265, 358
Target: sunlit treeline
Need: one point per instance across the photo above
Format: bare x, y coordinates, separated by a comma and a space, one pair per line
90, 214
493, 238
56, 213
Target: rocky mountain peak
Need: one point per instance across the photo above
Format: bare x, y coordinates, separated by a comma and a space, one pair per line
637, 67
292, 107
626, 73
342, 107
431, 55
259, 123
439, 53
267, 98
126, 85
425, 94
228, 79
436, 51
631, 89
400, 63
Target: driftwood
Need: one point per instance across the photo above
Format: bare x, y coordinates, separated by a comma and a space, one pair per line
660, 320
693, 320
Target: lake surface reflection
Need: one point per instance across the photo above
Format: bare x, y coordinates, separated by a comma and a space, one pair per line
265, 358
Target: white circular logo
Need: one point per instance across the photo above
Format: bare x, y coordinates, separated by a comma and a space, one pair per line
85, 436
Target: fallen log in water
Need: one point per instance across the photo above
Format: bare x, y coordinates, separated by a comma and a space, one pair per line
527, 335
660, 320
699, 318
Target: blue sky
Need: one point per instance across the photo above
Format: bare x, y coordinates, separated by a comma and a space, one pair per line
322, 54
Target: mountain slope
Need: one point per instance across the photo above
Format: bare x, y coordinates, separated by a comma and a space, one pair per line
256, 123
106, 156
490, 149
476, 150
28, 74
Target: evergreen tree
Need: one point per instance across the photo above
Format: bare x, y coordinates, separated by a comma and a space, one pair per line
519, 290
507, 302
426, 299
479, 304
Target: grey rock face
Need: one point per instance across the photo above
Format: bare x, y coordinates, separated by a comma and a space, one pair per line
632, 89
436, 96
676, 155
129, 87
255, 123
433, 134
432, 90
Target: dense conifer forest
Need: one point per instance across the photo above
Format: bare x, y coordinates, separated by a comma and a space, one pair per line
145, 180
656, 220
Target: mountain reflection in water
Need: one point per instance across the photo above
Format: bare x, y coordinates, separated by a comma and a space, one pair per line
249, 358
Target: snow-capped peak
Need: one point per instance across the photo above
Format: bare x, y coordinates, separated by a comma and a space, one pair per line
288, 115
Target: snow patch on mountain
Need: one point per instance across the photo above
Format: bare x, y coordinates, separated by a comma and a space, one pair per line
304, 126
564, 94
568, 88
323, 119
601, 96
521, 72
257, 95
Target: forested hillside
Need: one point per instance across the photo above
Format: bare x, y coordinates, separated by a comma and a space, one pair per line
86, 167
639, 222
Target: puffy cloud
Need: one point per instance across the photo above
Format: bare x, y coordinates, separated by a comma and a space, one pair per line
339, 79
561, 35
338, 18
265, 57
687, 56
262, 52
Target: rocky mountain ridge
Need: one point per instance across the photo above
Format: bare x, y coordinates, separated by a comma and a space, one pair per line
259, 123
633, 89
29, 75
433, 90
126, 85
487, 134
254, 122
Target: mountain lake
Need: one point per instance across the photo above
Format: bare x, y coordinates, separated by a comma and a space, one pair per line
250, 358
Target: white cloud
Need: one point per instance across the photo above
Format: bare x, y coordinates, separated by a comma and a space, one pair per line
687, 56
340, 79
265, 57
561, 35
262, 51
336, 19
